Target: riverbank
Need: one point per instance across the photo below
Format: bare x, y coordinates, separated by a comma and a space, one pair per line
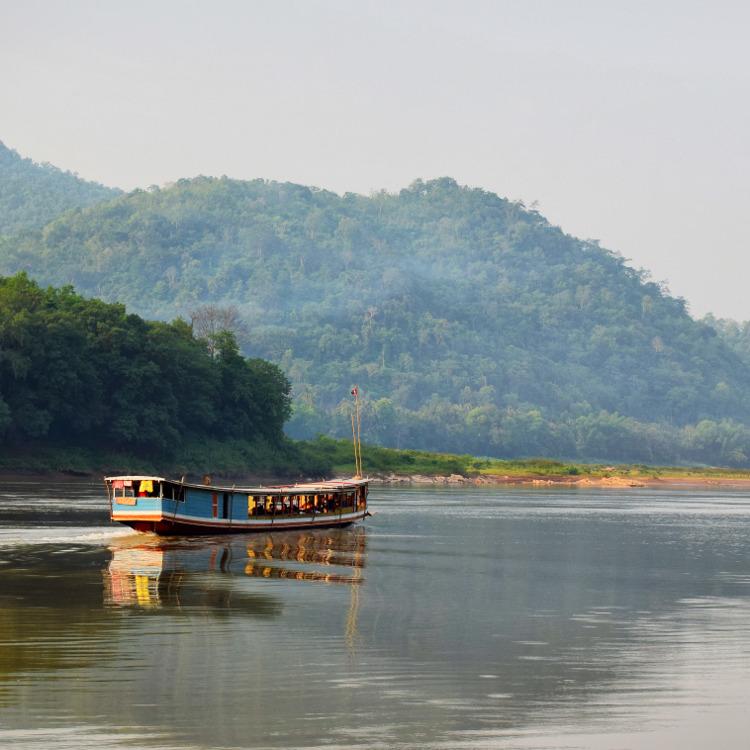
703, 479
325, 457
391, 466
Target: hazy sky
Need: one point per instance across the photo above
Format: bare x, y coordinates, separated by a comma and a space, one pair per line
627, 121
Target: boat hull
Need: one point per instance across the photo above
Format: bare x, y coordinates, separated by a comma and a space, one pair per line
168, 526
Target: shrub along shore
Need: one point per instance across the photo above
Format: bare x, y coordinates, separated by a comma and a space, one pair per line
326, 457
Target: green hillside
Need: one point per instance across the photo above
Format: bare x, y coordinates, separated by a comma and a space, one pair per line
82, 375
32, 194
470, 323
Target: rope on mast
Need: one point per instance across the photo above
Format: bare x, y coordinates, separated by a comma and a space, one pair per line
354, 440
356, 434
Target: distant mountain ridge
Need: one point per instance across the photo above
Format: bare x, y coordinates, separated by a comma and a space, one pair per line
470, 323
33, 194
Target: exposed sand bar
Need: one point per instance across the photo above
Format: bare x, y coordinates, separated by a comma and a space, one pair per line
566, 481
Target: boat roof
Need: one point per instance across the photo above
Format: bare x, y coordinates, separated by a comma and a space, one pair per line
332, 484
137, 477
285, 488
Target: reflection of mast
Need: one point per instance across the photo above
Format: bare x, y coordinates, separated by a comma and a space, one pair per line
350, 632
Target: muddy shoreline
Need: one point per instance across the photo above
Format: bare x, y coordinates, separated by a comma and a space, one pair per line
574, 481
452, 480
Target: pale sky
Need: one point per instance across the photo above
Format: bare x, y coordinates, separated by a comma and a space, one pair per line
627, 121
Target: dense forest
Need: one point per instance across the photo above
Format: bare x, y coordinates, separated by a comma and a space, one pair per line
734, 333
469, 322
84, 372
32, 194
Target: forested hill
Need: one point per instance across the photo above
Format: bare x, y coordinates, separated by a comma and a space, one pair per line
79, 372
32, 194
470, 323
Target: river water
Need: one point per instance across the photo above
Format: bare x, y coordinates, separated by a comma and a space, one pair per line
455, 618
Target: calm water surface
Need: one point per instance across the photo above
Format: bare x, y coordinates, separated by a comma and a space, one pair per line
466, 618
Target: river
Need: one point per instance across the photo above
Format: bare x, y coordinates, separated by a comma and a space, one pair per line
453, 618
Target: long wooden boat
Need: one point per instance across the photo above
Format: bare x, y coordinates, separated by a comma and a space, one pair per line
169, 507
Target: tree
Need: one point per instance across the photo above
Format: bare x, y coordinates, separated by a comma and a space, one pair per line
209, 322
78, 371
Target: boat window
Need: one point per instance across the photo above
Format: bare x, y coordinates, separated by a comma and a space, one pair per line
123, 488
214, 505
171, 491
331, 502
257, 506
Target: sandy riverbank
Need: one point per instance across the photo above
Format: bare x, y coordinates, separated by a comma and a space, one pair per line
563, 481
455, 480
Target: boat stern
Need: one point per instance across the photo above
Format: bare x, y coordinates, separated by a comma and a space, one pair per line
138, 501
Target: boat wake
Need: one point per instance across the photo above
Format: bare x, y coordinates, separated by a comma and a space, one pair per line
32, 535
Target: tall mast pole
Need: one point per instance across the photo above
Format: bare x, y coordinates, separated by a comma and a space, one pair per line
354, 441
356, 433
359, 433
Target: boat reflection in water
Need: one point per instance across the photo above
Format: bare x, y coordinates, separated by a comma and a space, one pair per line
190, 573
